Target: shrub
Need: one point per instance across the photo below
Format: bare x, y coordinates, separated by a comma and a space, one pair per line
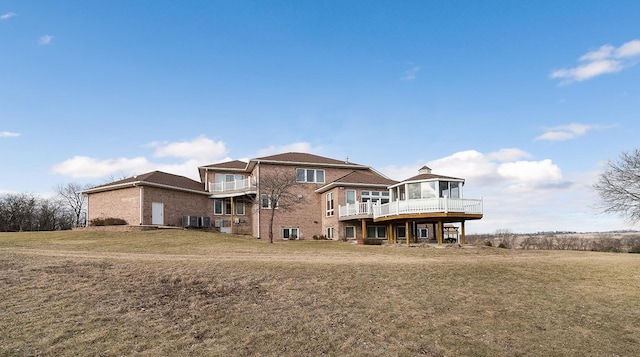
109, 221
502, 245
635, 249
319, 237
488, 243
369, 241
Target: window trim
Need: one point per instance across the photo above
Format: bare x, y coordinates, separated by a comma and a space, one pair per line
329, 204
290, 234
302, 175
346, 235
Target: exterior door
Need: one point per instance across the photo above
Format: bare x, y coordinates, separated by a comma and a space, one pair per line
157, 213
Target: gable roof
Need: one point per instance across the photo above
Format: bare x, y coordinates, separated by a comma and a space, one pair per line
154, 178
360, 178
300, 158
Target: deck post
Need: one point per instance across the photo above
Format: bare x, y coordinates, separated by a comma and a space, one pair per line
406, 232
364, 229
463, 239
233, 210
440, 231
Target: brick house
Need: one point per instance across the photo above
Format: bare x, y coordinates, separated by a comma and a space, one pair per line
337, 199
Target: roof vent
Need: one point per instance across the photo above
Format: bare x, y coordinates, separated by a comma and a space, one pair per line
424, 170
346, 159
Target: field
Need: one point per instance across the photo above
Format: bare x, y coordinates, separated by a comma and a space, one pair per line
175, 293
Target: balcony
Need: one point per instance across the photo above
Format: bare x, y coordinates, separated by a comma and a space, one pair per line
411, 207
233, 188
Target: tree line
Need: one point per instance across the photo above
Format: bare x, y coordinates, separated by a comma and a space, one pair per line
22, 212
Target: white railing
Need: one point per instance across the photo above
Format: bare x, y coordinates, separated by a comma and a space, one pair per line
355, 209
232, 185
429, 205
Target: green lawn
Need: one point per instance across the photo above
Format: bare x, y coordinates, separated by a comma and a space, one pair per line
175, 292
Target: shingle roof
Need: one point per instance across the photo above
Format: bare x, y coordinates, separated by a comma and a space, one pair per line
365, 178
429, 177
300, 157
158, 178
235, 164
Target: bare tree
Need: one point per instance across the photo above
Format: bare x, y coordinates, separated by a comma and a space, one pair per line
277, 193
619, 186
76, 201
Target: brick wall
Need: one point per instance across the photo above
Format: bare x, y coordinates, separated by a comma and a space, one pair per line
122, 203
176, 205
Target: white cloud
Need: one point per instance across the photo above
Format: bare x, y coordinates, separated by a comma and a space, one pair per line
8, 134
198, 152
83, 166
201, 149
45, 39
520, 172
606, 59
629, 49
293, 147
565, 132
8, 15
509, 154
410, 74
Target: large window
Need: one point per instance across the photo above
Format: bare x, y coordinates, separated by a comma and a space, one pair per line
418, 190
310, 175
350, 232
289, 233
240, 207
221, 206
329, 204
376, 232
450, 189
375, 196
351, 197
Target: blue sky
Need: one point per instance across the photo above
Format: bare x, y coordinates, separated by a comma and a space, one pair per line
525, 100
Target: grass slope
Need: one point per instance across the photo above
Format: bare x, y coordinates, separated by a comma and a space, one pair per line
192, 293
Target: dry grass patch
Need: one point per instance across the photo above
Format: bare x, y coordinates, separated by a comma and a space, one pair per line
179, 293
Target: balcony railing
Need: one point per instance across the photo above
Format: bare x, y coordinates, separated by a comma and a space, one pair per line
417, 206
238, 185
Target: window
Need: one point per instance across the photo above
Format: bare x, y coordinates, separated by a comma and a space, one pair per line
217, 206
240, 207
289, 233
329, 204
310, 175
350, 232
375, 196
221, 206
351, 197
450, 189
376, 232
329, 232
266, 200
418, 190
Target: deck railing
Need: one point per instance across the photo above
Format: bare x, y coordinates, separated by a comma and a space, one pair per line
417, 206
238, 185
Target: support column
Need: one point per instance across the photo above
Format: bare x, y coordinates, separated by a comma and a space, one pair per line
440, 232
406, 232
364, 229
463, 239
233, 211
389, 233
